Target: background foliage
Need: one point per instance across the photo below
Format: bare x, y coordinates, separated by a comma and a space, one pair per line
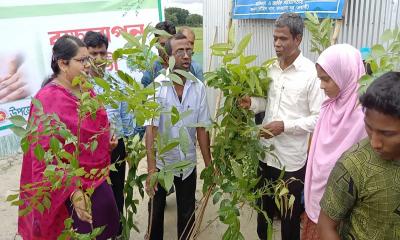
182, 17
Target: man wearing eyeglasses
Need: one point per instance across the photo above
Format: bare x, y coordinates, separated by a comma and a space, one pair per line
121, 121
190, 96
169, 27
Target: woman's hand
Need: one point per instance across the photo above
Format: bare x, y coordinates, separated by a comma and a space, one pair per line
80, 204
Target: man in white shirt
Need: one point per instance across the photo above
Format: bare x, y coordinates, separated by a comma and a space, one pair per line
189, 96
291, 112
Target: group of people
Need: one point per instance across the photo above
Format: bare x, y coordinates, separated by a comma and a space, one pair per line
350, 169
73, 57
352, 165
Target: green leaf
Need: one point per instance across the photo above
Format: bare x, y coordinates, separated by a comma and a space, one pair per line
79, 172
283, 191
378, 50
217, 197
175, 78
94, 171
387, 35
291, 201
40, 208
12, 197
171, 63
184, 140
102, 83
112, 168
312, 17
229, 57
97, 231
18, 202
181, 165
23, 212
168, 180
174, 115
237, 169
153, 179
185, 74
374, 66
246, 60
25, 145
18, 120
222, 47
93, 145
39, 152
76, 81
66, 155
55, 144
90, 191
168, 147
19, 131
243, 43
186, 114
161, 32
38, 105
46, 203
130, 39
268, 63
68, 223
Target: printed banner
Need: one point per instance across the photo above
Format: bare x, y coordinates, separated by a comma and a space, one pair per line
272, 9
31, 27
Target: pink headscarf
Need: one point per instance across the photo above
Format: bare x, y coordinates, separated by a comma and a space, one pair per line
340, 123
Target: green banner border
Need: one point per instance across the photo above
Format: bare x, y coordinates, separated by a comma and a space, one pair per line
6, 127
39, 10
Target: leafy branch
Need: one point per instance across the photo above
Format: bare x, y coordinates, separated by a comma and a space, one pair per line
384, 57
232, 179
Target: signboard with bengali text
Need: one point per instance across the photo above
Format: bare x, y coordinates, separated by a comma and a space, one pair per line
272, 9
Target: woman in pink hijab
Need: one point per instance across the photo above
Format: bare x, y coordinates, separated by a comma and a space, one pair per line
340, 125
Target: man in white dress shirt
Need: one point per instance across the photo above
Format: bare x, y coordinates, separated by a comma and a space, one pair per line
291, 112
189, 96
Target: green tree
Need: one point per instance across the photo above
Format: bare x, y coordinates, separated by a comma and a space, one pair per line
194, 20
172, 18
181, 15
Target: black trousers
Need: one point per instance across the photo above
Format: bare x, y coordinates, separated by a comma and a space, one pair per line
118, 178
290, 225
185, 201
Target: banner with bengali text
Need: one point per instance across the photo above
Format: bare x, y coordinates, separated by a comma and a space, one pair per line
30, 29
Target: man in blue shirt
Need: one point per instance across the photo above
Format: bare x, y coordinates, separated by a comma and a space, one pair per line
195, 68
121, 121
169, 27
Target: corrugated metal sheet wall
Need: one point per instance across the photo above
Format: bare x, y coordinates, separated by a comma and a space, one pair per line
364, 22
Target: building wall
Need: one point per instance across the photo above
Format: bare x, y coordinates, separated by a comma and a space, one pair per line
364, 22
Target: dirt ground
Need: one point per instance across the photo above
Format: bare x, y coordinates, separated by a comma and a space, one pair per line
9, 180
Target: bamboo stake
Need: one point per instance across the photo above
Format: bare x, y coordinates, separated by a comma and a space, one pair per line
336, 32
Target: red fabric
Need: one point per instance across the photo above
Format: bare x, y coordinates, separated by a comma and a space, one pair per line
56, 99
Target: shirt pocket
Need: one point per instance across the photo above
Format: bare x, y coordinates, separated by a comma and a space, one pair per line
291, 95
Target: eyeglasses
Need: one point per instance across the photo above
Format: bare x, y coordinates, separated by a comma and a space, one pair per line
84, 60
181, 52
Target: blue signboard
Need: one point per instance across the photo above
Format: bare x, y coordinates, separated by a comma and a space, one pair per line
272, 9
